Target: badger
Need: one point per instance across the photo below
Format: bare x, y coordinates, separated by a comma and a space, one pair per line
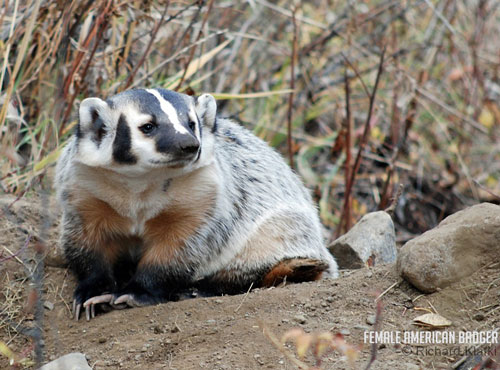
160, 196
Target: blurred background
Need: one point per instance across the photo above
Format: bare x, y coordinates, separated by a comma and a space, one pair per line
362, 97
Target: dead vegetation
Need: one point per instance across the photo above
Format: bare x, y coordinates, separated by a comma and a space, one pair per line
360, 96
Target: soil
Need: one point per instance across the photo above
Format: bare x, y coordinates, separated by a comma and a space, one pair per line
231, 332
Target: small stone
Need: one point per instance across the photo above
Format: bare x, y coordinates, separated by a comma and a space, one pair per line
285, 321
345, 332
258, 359
218, 301
307, 306
324, 304
157, 330
301, 319
76, 361
48, 305
211, 321
372, 240
371, 319
102, 340
361, 327
330, 299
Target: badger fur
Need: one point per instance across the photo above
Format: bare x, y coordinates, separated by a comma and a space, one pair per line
160, 196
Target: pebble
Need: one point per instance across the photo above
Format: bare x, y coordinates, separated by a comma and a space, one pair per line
102, 340
371, 319
345, 332
301, 319
48, 305
361, 327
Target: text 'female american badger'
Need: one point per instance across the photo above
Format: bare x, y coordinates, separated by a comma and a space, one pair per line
161, 197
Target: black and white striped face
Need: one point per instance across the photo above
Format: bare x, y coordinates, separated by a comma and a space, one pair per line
142, 129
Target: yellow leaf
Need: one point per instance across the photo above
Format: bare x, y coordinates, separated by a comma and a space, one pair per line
302, 343
301, 338
376, 133
486, 118
491, 182
323, 343
6, 351
48, 159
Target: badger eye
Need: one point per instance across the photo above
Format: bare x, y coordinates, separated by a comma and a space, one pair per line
192, 125
147, 128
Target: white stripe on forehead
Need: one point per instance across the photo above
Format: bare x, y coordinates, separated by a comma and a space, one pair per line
170, 111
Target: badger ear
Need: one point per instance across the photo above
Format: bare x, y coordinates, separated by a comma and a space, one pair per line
93, 117
206, 109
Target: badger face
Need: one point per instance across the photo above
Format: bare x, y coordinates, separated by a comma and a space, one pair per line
139, 130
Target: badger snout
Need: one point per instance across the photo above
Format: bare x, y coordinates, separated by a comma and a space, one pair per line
178, 147
190, 146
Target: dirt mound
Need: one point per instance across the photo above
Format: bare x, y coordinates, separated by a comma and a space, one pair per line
226, 332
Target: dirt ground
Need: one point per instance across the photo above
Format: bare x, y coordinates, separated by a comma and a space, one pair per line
227, 332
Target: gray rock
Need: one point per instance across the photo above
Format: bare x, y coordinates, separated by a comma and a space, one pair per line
373, 236
371, 319
456, 248
301, 319
72, 361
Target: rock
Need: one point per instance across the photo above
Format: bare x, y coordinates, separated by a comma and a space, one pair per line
371, 319
48, 305
345, 331
373, 236
73, 361
301, 319
460, 245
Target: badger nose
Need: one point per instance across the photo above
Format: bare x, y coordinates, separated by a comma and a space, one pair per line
189, 145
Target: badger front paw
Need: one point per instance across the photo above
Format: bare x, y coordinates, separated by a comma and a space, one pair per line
135, 294
86, 293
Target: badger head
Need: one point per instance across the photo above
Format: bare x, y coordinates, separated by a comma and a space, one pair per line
140, 130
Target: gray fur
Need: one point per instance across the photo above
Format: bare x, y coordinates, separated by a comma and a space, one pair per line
255, 191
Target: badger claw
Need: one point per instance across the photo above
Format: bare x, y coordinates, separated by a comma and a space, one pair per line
76, 310
127, 299
89, 306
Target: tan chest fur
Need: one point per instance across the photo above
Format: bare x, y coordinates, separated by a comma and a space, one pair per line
161, 215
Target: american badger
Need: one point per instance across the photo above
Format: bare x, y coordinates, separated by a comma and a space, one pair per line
160, 196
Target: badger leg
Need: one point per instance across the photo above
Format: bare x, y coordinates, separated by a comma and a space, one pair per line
287, 246
91, 245
295, 270
94, 277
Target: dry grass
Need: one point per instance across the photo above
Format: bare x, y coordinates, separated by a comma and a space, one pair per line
301, 75
436, 111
